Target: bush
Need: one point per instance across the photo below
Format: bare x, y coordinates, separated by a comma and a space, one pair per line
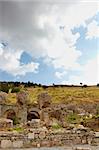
84, 86
98, 84
73, 118
56, 126
15, 121
4, 88
15, 90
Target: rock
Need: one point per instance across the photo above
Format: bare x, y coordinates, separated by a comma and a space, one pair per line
44, 100
80, 128
38, 145
82, 148
22, 98
6, 123
3, 97
35, 121
6, 144
30, 135
17, 144
97, 134
46, 119
42, 135
46, 143
84, 141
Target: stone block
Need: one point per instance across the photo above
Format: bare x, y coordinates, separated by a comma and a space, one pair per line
6, 123
33, 144
97, 134
83, 141
6, 144
18, 144
82, 148
31, 136
38, 145
46, 143
42, 135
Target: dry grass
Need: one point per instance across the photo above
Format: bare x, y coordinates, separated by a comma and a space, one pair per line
11, 98
62, 94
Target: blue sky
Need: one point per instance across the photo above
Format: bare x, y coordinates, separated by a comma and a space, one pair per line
49, 43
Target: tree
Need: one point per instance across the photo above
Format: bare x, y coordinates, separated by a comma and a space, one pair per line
84, 86
98, 84
81, 83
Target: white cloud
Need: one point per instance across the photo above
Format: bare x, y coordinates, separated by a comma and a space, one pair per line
35, 28
92, 30
60, 52
10, 62
60, 74
1, 49
89, 74
23, 69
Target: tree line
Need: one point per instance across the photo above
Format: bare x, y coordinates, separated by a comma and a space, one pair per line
15, 87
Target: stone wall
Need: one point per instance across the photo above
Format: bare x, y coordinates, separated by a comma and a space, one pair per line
20, 112
47, 138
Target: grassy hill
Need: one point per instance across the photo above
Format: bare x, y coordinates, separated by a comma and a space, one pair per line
65, 95
77, 99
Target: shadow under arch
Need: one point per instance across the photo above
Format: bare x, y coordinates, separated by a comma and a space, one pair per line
10, 114
33, 115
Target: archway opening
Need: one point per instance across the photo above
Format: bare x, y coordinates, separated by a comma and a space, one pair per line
33, 115
10, 114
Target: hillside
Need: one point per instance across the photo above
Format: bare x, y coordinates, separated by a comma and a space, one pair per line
65, 95
72, 104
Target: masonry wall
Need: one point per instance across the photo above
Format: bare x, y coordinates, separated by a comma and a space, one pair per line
20, 111
44, 138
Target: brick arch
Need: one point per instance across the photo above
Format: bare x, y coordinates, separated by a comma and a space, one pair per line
10, 114
5, 108
33, 113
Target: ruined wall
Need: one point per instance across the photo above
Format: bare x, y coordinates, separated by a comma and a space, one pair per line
20, 112
44, 138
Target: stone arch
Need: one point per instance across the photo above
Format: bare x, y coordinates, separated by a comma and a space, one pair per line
33, 114
10, 114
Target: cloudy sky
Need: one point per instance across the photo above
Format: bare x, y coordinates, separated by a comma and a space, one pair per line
49, 41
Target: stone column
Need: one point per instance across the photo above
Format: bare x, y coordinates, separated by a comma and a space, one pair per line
44, 116
22, 114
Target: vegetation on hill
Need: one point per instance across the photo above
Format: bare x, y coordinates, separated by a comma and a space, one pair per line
59, 93
78, 99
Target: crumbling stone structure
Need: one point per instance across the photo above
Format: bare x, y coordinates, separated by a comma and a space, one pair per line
42, 137
37, 134
21, 112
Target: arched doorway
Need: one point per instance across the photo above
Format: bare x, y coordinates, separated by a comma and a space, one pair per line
33, 115
10, 114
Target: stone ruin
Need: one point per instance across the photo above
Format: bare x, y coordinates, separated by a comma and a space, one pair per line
37, 135
21, 112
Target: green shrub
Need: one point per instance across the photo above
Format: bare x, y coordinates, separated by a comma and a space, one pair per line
56, 126
19, 129
15, 90
4, 88
73, 118
15, 121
